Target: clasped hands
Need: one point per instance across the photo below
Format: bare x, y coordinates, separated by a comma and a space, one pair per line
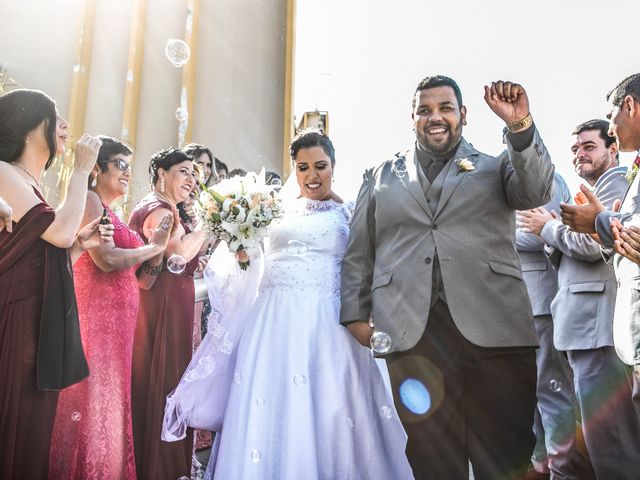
534, 220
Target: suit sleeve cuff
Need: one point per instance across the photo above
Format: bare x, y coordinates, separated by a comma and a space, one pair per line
603, 227
521, 140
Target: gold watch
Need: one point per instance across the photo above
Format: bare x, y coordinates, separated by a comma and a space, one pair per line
526, 122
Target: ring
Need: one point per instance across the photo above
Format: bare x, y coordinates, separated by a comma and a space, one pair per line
165, 227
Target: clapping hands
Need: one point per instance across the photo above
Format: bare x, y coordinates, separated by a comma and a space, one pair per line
161, 234
534, 220
626, 240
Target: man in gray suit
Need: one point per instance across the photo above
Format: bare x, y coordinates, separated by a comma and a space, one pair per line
624, 124
555, 453
583, 313
432, 259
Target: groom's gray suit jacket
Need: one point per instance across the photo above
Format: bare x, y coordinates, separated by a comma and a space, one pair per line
387, 270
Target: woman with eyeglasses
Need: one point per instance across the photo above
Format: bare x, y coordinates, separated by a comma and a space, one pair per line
92, 437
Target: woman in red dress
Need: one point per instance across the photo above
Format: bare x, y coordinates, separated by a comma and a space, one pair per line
162, 346
40, 349
92, 435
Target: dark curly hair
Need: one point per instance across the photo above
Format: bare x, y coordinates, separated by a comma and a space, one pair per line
110, 147
165, 159
312, 137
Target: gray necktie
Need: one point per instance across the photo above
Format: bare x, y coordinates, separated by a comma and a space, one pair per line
434, 169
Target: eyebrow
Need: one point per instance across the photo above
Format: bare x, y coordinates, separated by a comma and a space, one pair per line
582, 144
447, 103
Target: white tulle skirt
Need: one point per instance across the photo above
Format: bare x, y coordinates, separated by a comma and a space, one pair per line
306, 400
290, 392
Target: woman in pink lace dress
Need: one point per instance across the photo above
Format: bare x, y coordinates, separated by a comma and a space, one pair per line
92, 436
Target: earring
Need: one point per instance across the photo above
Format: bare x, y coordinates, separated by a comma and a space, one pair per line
94, 182
162, 185
27, 139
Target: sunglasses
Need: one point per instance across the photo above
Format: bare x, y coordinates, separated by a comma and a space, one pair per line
121, 164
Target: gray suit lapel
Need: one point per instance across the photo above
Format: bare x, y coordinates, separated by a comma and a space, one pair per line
454, 174
412, 183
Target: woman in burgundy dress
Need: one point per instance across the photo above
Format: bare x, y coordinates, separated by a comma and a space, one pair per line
164, 329
92, 435
40, 349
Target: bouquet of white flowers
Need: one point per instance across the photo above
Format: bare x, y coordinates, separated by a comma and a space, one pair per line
238, 210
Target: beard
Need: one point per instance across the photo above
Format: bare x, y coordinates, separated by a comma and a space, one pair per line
445, 147
597, 169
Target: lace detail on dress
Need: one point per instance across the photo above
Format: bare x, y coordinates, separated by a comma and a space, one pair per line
305, 248
206, 365
92, 435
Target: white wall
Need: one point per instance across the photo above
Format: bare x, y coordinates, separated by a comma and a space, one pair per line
239, 75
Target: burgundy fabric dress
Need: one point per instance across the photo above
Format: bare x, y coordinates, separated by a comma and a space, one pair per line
92, 436
162, 349
26, 414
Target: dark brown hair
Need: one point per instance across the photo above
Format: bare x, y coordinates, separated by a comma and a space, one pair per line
21, 111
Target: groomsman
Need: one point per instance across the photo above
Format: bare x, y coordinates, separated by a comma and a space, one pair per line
431, 258
555, 420
583, 313
624, 124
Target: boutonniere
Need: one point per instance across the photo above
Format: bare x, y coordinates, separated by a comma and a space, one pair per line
464, 165
631, 174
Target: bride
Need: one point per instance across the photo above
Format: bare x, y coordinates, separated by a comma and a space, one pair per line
290, 391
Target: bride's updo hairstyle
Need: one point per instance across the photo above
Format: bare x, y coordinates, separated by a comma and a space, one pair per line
165, 159
312, 137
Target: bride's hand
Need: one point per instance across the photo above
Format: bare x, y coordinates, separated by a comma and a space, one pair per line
362, 332
242, 256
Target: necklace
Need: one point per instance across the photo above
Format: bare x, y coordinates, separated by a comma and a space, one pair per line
165, 199
27, 172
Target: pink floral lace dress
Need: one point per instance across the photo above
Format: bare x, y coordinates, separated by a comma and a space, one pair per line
92, 437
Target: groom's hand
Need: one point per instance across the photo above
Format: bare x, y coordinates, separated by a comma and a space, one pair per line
508, 100
362, 332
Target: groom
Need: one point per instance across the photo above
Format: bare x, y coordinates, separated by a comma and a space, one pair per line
432, 262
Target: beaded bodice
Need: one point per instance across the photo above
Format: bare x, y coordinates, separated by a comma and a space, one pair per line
304, 249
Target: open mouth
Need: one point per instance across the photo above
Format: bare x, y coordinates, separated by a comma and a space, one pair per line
437, 131
124, 181
313, 186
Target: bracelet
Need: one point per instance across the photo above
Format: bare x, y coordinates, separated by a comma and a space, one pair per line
526, 122
152, 270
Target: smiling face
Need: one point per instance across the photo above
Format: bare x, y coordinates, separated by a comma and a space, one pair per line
591, 157
624, 124
113, 183
313, 172
206, 162
438, 119
179, 181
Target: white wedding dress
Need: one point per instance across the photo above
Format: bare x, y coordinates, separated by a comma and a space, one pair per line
295, 396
